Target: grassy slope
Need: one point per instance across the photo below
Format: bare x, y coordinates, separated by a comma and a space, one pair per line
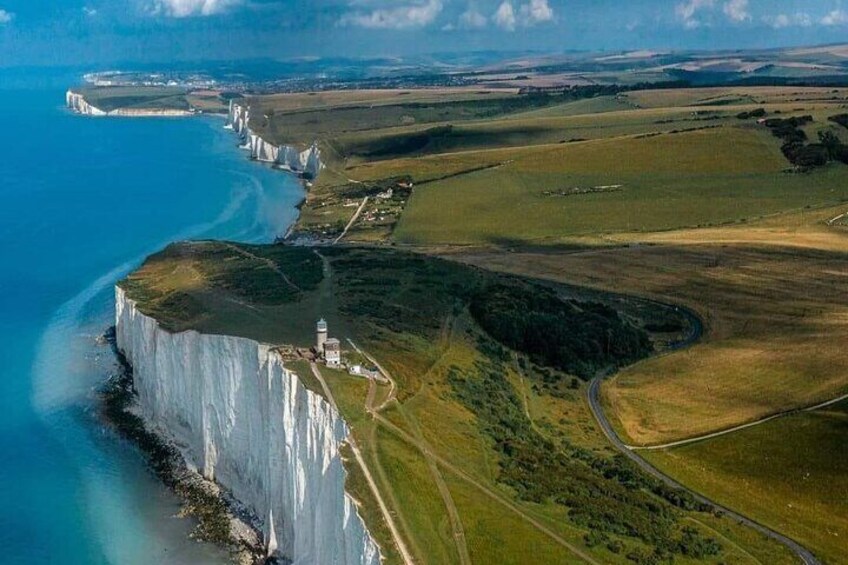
152, 98
668, 182
772, 296
731, 173
211, 275
789, 473
113, 98
769, 290
775, 317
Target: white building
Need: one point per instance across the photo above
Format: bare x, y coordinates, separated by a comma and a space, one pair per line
333, 353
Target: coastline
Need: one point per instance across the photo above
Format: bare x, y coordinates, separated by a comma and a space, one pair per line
222, 519
265, 449
305, 166
77, 103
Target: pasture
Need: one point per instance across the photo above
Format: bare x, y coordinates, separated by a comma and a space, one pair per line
436, 450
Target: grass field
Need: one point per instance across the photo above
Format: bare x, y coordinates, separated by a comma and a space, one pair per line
130, 97
153, 98
483, 163
671, 181
666, 195
771, 295
434, 451
775, 315
790, 473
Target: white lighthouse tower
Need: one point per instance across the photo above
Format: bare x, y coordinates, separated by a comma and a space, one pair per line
320, 336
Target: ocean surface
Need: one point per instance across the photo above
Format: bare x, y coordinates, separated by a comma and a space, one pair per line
82, 202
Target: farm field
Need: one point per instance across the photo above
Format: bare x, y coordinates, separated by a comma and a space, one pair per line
794, 479
770, 295
585, 164
432, 445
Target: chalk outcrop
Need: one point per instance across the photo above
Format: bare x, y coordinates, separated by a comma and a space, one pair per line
80, 105
304, 161
77, 102
245, 421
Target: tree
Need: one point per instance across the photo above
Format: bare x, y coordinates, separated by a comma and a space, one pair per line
831, 143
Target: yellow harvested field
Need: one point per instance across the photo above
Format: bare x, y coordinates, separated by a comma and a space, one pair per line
776, 310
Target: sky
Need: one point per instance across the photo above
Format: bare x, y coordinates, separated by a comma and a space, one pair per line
99, 33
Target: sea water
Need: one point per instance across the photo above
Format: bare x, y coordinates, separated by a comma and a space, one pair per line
82, 202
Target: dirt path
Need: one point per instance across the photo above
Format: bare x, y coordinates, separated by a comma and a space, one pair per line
726, 539
435, 462
832, 221
484, 489
386, 375
444, 491
387, 515
352, 220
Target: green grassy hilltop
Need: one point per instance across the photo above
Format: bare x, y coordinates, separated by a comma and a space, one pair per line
487, 429
497, 166
559, 236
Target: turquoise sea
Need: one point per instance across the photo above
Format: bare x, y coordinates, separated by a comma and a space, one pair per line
82, 202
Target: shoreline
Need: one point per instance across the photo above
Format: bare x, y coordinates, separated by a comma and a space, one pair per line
77, 104
221, 519
310, 512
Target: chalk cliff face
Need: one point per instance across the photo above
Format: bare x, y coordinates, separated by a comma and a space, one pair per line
80, 105
306, 161
242, 419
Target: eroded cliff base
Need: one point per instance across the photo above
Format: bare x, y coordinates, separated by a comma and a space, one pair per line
220, 518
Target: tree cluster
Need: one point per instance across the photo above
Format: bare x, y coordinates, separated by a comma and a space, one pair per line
758, 113
577, 338
795, 147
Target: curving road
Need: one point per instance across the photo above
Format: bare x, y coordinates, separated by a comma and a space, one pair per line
802, 552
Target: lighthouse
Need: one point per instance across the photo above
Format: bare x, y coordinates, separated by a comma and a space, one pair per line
320, 336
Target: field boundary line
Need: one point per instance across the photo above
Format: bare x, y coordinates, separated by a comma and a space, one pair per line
593, 398
738, 428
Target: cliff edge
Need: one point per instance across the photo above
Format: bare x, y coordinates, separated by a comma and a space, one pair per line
243, 420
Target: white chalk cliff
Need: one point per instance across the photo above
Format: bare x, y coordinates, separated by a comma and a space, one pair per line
242, 419
80, 105
306, 161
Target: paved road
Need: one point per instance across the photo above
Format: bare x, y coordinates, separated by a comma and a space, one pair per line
803, 553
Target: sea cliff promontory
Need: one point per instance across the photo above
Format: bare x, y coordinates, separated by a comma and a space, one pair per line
79, 104
242, 419
306, 162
